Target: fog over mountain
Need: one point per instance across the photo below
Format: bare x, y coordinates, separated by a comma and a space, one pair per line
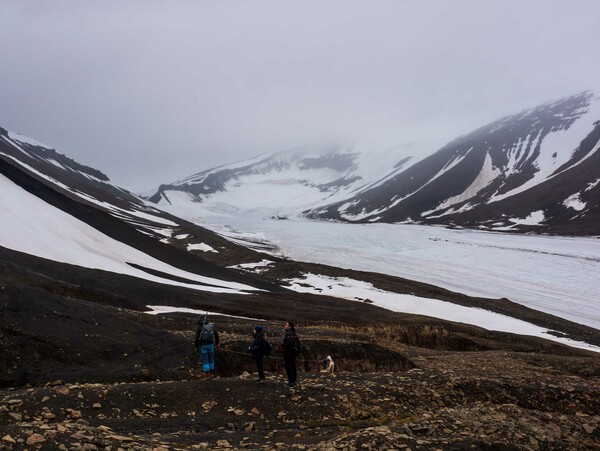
537, 170
152, 91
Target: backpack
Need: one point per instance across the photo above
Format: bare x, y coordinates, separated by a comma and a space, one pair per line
267, 347
297, 347
208, 333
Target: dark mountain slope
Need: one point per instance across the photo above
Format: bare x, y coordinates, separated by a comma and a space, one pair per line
124, 232
537, 170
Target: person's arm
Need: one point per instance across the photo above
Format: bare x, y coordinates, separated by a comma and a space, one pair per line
216, 337
285, 344
197, 339
254, 344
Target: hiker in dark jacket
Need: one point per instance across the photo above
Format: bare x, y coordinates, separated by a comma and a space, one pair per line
291, 349
258, 351
207, 338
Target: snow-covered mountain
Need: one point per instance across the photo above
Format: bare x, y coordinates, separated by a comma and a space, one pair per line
538, 170
55, 208
284, 183
81, 183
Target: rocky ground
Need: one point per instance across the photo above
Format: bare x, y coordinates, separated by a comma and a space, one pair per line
83, 368
386, 395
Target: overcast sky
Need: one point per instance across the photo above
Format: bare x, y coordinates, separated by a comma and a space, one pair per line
150, 92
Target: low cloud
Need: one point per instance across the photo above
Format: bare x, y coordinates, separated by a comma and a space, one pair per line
153, 91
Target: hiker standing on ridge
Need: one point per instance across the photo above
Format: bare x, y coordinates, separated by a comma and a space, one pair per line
291, 350
207, 338
259, 349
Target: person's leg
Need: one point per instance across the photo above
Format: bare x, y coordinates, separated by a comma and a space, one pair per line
288, 369
259, 367
211, 359
294, 372
204, 358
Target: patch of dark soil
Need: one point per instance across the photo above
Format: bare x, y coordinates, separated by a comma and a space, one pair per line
46, 337
437, 334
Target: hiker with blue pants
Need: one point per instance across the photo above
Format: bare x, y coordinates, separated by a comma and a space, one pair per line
207, 339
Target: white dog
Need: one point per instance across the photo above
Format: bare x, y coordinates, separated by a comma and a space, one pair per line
328, 365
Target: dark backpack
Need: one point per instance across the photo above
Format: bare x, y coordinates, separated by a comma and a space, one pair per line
207, 335
297, 347
267, 347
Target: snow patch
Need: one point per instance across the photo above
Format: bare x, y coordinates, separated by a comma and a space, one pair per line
486, 176
356, 290
574, 202
535, 218
26, 140
592, 185
257, 267
161, 309
201, 247
150, 217
56, 163
161, 231
588, 155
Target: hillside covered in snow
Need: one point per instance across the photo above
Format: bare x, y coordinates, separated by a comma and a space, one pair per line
535, 171
58, 214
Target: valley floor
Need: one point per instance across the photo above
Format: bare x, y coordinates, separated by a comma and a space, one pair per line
556, 275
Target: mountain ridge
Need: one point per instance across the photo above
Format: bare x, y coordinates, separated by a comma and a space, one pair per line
534, 171
507, 159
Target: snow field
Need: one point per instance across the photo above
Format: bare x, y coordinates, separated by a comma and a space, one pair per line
34, 227
556, 275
